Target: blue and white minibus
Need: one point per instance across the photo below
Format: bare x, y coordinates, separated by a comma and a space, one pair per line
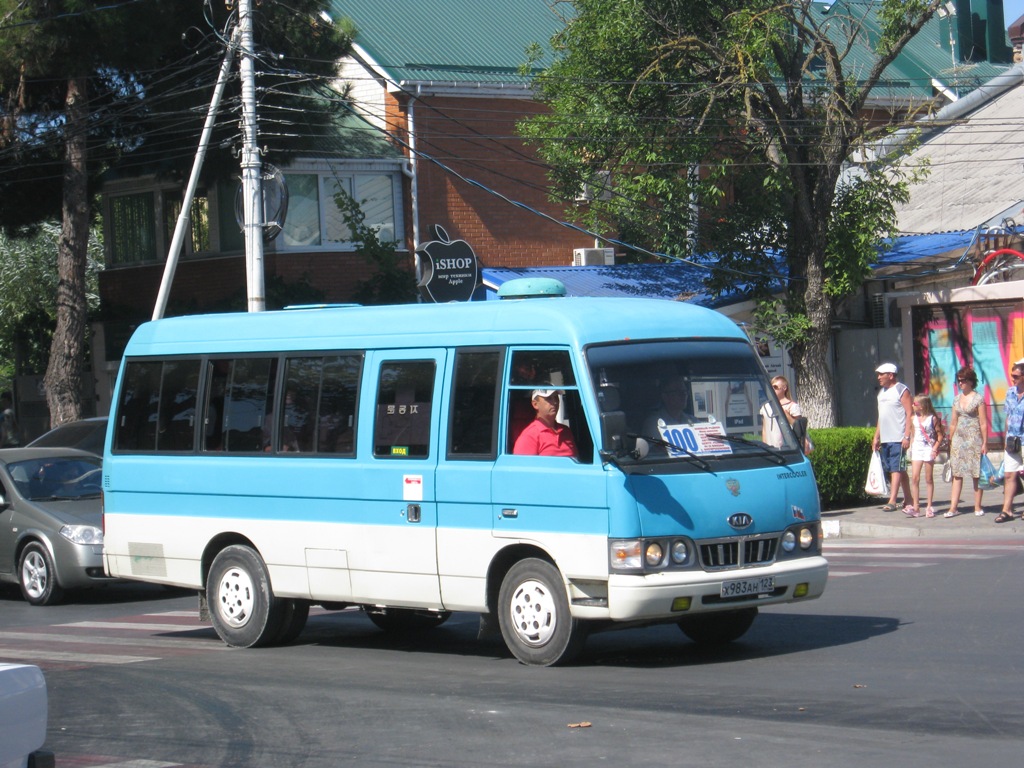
363, 457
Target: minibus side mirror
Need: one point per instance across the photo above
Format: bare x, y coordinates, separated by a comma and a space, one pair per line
616, 442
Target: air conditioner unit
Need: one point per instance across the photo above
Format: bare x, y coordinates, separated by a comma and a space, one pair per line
593, 257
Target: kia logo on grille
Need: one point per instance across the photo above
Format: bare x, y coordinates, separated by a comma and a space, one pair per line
741, 520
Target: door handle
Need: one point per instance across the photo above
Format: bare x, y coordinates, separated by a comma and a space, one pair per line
509, 513
412, 513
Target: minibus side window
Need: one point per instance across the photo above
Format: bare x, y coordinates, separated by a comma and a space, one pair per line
404, 395
473, 428
240, 397
139, 408
545, 369
180, 382
320, 404
339, 397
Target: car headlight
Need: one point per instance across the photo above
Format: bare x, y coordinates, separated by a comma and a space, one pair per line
82, 534
788, 541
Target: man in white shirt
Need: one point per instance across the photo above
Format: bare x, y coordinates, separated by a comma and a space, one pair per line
893, 431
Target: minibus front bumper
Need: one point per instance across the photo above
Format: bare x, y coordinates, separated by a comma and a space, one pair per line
674, 594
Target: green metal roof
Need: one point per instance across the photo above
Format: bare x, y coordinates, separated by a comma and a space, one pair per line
483, 43
929, 63
464, 42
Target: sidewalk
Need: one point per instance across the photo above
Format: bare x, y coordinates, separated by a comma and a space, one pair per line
867, 520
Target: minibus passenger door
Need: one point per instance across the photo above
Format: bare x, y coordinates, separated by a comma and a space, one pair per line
557, 502
395, 563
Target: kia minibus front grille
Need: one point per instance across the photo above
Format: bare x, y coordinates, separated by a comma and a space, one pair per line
737, 552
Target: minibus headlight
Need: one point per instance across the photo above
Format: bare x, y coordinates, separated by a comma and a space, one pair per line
788, 541
680, 553
654, 553
806, 538
625, 554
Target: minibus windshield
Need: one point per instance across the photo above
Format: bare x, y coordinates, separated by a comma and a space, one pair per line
696, 402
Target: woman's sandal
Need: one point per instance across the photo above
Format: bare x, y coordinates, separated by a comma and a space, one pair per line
890, 507
1004, 517
951, 513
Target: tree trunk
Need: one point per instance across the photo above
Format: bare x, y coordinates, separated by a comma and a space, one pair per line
814, 379
63, 380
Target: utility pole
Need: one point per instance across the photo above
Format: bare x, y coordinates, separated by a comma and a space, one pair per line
252, 191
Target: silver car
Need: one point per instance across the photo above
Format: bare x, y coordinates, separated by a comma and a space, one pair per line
50, 521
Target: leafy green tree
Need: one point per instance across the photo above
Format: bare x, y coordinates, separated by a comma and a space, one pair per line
90, 85
748, 113
28, 296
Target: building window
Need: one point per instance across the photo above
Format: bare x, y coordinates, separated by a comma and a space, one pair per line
314, 219
198, 236
132, 228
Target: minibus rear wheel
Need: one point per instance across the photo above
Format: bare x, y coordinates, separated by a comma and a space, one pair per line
243, 608
718, 628
295, 613
533, 612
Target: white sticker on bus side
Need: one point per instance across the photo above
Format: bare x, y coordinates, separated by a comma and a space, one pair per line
412, 488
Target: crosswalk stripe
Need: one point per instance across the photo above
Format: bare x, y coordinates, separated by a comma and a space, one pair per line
155, 642
141, 626
932, 544
898, 555
94, 658
137, 764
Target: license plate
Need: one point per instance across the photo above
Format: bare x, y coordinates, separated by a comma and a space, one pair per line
762, 585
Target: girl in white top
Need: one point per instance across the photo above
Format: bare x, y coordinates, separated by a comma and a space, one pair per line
771, 433
924, 448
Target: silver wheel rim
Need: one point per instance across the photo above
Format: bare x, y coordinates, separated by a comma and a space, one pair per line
236, 597
34, 576
534, 613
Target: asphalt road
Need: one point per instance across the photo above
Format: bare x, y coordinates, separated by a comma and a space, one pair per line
912, 658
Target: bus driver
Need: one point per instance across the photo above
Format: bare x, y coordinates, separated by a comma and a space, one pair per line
545, 436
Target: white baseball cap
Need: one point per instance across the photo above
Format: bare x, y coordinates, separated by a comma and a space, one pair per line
886, 368
546, 393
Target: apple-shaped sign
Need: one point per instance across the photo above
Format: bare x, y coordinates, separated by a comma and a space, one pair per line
449, 270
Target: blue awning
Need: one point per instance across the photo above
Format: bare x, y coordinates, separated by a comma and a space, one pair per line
685, 282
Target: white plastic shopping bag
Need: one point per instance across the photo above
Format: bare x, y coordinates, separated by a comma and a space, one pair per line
877, 483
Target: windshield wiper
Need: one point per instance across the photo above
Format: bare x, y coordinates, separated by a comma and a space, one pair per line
760, 446
658, 441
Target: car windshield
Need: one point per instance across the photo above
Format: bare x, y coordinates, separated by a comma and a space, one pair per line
56, 477
693, 402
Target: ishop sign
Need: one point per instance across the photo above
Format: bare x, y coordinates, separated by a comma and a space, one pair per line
449, 270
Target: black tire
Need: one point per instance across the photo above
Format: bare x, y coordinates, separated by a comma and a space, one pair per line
406, 620
243, 608
295, 614
533, 613
37, 577
718, 628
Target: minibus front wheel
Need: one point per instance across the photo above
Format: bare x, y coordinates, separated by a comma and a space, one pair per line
242, 605
533, 612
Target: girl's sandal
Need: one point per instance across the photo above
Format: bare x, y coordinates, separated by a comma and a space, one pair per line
951, 513
890, 507
930, 512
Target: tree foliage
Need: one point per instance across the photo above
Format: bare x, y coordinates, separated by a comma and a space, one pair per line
729, 128
88, 86
28, 295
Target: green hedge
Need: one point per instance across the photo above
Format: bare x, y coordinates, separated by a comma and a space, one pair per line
840, 460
